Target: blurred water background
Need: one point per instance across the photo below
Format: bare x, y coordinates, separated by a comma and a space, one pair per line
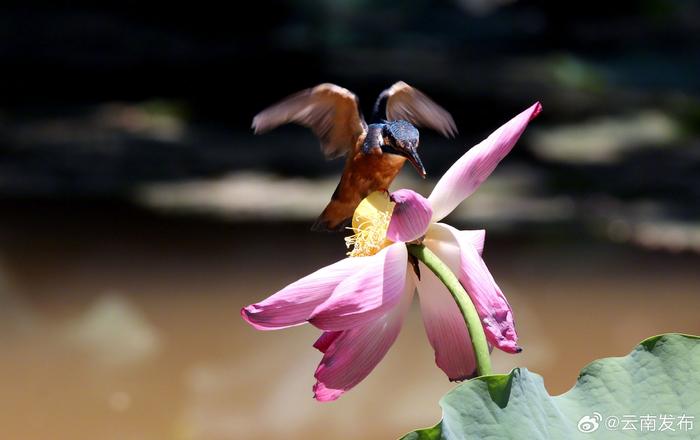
138, 213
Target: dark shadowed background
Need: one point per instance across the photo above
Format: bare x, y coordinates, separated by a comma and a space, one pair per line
138, 212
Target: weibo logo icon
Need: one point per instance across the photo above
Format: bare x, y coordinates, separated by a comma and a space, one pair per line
589, 423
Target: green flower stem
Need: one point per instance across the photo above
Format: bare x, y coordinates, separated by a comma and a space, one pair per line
465, 304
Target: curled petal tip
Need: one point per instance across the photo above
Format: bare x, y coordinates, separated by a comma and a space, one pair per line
244, 314
248, 315
500, 331
536, 110
509, 346
323, 394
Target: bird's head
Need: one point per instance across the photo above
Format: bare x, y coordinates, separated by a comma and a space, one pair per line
402, 138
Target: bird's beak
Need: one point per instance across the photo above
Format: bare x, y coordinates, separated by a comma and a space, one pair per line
412, 156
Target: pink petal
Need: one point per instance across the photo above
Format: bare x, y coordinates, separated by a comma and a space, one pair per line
294, 304
411, 216
465, 176
325, 340
492, 306
366, 294
353, 353
476, 237
445, 326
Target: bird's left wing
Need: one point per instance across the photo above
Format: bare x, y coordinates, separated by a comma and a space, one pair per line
330, 111
401, 101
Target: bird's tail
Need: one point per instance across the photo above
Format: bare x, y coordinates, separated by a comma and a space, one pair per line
335, 217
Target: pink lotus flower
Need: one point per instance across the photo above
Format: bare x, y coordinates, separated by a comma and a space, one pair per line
360, 302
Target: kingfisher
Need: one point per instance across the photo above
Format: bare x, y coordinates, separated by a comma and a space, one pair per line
375, 153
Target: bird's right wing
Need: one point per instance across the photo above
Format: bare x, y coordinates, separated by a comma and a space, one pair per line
330, 111
401, 101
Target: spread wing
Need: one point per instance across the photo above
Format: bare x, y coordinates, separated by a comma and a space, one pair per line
402, 101
330, 111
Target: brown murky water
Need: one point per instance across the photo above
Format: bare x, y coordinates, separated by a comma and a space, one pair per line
120, 324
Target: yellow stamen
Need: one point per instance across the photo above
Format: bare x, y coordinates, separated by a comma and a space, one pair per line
369, 224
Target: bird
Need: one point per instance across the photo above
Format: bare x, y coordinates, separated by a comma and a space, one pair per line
375, 153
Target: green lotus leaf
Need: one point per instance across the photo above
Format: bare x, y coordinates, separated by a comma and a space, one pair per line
654, 392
